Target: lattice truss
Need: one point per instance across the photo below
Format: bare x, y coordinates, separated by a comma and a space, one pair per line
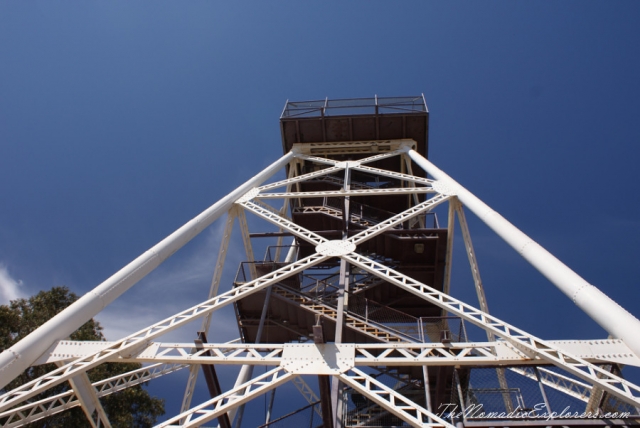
371, 373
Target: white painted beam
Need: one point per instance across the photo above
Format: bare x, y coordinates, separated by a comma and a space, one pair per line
601, 308
21, 355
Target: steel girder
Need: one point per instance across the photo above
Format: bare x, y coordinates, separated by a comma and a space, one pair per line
392, 401
499, 353
521, 340
523, 348
137, 340
221, 404
40, 409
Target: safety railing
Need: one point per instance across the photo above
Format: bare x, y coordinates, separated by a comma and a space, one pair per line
355, 106
439, 329
307, 416
360, 411
281, 250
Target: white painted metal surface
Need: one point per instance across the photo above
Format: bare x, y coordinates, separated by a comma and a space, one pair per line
602, 309
41, 409
24, 353
322, 359
392, 401
516, 349
364, 354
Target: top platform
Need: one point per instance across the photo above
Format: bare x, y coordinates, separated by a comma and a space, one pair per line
356, 119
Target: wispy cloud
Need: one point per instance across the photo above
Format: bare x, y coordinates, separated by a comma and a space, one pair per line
9, 287
180, 283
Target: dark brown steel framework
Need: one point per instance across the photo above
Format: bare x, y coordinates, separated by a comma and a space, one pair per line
356, 119
416, 249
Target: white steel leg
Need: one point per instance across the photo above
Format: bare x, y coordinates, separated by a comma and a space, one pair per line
602, 309
248, 248
21, 355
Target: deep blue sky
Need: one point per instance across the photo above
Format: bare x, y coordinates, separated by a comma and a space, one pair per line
120, 121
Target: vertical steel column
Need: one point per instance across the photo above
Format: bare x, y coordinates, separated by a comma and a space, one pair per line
460, 394
406, 162
211, 378
542, 391
246, 371
427, 393
482, 298
324, 384
213, 291
243, 376
597, 394
246, 239
270, 408
446, 288
283, 210
249, 371
342, 303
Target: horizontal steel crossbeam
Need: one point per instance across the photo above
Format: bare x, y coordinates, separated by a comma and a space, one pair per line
366, 354
354, 192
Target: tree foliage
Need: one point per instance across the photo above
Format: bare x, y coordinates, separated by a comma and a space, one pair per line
132, 407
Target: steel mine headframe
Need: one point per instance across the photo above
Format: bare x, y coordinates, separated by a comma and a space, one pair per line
350, 305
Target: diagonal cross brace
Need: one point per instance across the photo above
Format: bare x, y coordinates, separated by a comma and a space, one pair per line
392, 174
221, 404
88, 399
284, 223
29, 413
134, 341
523, 341
299, 178
22, 354
379, 228
391, 400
